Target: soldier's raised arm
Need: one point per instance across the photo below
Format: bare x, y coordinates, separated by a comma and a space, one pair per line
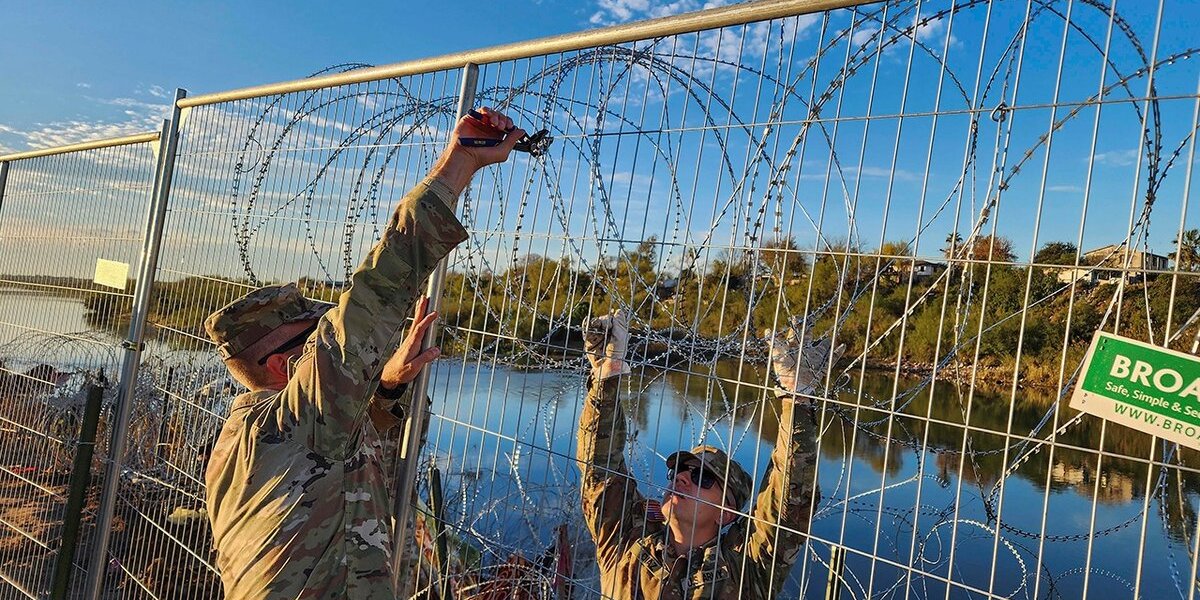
613, 508
328, 396
783, 510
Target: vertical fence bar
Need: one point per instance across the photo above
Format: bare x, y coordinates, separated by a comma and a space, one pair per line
437, 503
406, 472
127, 384
3, 181
837, 562
81, 478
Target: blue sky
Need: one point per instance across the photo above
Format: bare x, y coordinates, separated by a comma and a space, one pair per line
103, 71
75, 70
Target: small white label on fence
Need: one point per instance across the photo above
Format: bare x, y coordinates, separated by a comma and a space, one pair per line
1141, 386
111, 273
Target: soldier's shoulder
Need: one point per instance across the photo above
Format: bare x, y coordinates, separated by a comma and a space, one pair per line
252, 399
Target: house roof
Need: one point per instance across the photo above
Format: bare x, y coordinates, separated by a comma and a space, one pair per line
1112, 247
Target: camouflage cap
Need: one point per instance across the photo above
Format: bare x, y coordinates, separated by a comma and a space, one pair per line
251, 317
735, 481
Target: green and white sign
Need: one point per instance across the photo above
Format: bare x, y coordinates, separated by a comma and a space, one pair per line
1142, 386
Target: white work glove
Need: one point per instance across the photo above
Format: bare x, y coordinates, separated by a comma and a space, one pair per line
800, 365
605, 340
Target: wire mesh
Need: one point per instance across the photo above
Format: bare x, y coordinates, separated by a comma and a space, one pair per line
291, 188
59, 333
962, 192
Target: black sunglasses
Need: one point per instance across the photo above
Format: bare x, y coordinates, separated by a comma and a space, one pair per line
290, 344
702, 477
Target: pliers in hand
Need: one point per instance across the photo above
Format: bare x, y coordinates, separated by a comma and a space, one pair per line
534, 145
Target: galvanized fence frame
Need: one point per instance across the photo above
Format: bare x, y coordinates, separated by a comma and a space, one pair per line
870, 419
81, 195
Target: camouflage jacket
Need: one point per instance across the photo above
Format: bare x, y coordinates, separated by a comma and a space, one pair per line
748, 560
297, 494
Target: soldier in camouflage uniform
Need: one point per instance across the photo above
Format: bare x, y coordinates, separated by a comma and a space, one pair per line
297, 495
698, 547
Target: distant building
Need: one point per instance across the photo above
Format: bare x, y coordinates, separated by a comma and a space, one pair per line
1083, 275
924, 268
921, 269
1115, 258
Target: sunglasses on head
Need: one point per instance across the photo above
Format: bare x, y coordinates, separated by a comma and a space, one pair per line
292, 343
702, 477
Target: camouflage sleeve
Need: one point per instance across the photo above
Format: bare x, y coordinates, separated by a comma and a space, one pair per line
387, 411
328, 396
783, 510
612, 506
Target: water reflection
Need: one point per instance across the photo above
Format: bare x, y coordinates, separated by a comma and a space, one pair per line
938, 485
918, 488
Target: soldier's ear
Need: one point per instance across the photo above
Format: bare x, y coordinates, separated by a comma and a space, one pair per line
277, 366
727, 516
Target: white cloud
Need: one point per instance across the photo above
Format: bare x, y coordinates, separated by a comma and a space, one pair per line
934, 31
63, 133
816, 171
156, 91
1117, 158
931, 34
1070, 188
611, 12
134, 116
863, 35
83, 85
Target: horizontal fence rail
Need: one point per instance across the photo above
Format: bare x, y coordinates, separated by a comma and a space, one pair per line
960, 192
717, 17
141, 138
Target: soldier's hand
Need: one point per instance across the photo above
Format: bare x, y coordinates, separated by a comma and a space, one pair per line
800, 365
605, 342
409, 359
459, 163
496, 125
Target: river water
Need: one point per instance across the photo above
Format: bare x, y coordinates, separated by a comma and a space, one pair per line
896, 489
37, 328
913, 498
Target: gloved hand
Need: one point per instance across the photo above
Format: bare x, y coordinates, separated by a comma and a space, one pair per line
605, 340
800, 365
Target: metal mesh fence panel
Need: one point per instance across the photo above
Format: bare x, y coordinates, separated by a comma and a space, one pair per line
59, 332
291, 188
959, 192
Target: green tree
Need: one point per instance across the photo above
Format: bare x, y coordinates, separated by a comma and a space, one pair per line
1056, 253
783, 257
954, 244
992, 249
1187, 249
893, 249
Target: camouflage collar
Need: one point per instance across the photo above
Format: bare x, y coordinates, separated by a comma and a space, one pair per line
658, 553
249, 399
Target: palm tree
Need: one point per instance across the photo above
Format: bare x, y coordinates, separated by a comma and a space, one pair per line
954, 243
1187, 250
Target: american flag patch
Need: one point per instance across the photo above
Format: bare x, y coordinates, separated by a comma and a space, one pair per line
654, 511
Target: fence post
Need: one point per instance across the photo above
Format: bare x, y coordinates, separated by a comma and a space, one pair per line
81, 478
127, 384
410, 443
837, 562
440, 545
3, 180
